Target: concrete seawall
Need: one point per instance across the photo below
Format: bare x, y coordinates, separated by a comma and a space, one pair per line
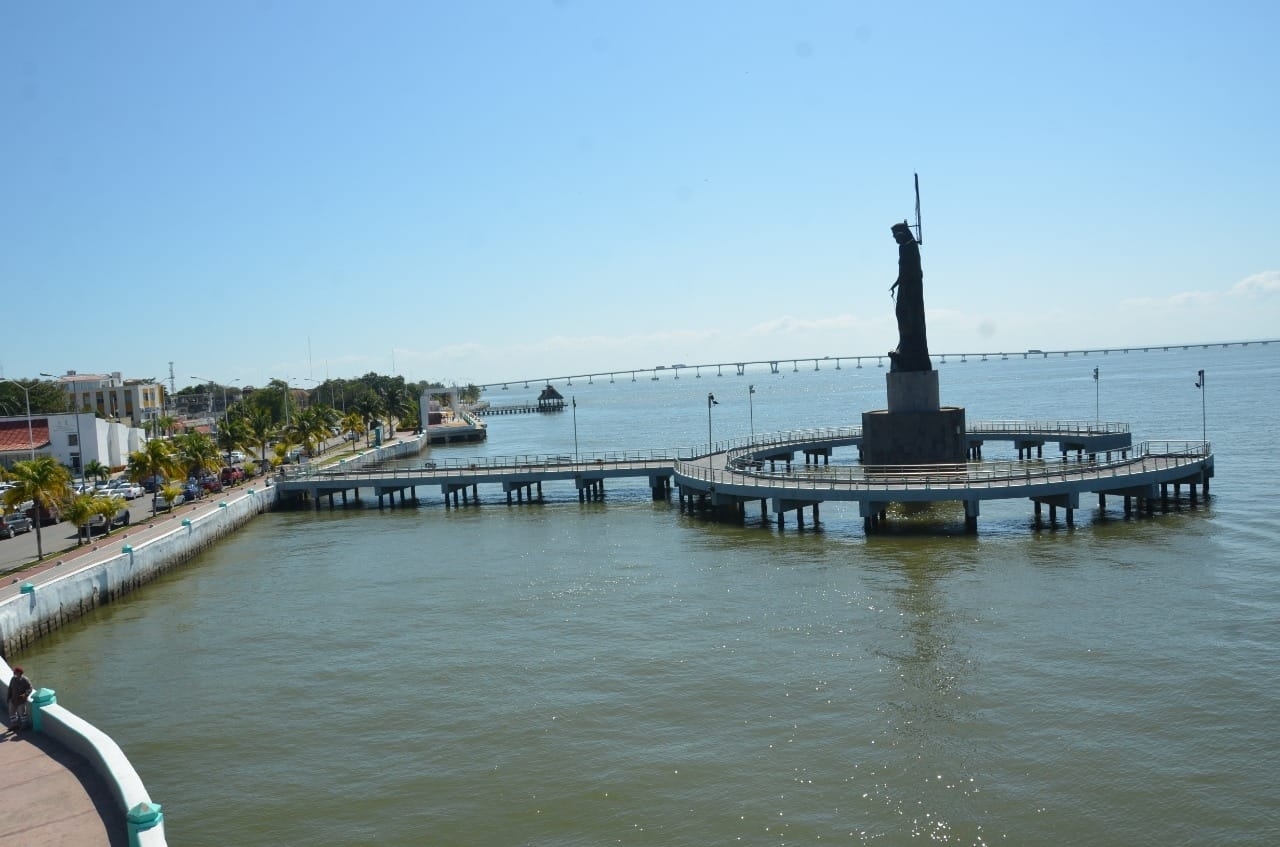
56, 596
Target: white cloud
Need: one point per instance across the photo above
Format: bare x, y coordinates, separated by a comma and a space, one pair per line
1258, 285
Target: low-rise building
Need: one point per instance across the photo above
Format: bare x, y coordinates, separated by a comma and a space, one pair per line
133, 402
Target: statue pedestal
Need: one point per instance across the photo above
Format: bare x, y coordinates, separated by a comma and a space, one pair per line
912, 391
915, 429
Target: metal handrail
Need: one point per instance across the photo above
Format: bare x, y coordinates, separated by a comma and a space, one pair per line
951, 476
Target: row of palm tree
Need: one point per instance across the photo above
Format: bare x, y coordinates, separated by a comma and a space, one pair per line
253, 426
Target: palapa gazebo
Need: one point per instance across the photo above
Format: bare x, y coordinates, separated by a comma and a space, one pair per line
550, 399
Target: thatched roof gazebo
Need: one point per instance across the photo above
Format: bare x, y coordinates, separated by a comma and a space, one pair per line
550, 399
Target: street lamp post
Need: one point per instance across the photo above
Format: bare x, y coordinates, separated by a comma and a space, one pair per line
711, 401
1204, 426
1097, 398
573, 401
751, 409
31, 439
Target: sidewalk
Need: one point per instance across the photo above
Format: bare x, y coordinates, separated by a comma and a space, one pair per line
53, 797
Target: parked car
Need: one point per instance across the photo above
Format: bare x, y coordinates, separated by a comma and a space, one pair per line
45, 514
162, 502
231, 476
212, 484
12, 524
235, 457
124, 488
191, 490
121, 518
153, 483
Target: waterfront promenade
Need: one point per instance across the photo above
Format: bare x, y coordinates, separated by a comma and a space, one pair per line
54, 797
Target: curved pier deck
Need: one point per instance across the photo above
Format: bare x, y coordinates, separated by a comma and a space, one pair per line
723, 480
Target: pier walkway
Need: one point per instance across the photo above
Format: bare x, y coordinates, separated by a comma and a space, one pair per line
722, 479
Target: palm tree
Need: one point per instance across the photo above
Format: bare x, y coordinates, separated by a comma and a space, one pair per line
97, 470
311, 427
368, 408
44, 482
155, 461
108, 506
234, 435
261, 427
78, 511
397, 404
197, 453
353, 423
165, 424
171, 491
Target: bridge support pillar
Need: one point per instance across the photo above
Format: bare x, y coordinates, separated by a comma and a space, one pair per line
971, 509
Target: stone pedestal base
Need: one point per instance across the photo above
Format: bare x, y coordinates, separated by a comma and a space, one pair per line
912, 391
914, 438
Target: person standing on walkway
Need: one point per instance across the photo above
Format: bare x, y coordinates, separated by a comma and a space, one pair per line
19, 694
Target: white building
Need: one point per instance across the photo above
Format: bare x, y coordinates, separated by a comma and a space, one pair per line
73, 440
133, 402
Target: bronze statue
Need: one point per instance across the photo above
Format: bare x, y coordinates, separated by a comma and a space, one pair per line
912, 352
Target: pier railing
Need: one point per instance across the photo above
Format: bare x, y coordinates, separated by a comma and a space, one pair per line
1053, 427
1141, 458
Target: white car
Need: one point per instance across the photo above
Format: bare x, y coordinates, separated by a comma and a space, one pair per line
124, 488
163, 503
236, 456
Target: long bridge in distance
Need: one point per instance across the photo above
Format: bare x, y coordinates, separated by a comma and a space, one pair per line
816, 363
722, 480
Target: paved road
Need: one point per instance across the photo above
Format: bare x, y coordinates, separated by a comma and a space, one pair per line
61, 537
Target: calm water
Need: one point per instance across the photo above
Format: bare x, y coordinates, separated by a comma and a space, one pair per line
587, 674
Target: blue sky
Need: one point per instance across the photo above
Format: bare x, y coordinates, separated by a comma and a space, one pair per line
485, 191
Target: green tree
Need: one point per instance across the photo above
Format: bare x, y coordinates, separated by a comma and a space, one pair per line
353, 423
156, 460
312, 427
79, 509
171, 492
197, 453
261, 426
97, 470
234, 434
368, 407
108, 506
44, 482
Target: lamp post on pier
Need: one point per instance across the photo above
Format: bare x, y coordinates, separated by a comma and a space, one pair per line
31, 439
711, 401
751, 409
573, 401
1204, 427
1097, 398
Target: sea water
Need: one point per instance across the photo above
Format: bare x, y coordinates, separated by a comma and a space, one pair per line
615, 672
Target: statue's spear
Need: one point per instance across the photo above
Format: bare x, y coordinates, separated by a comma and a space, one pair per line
919, 230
